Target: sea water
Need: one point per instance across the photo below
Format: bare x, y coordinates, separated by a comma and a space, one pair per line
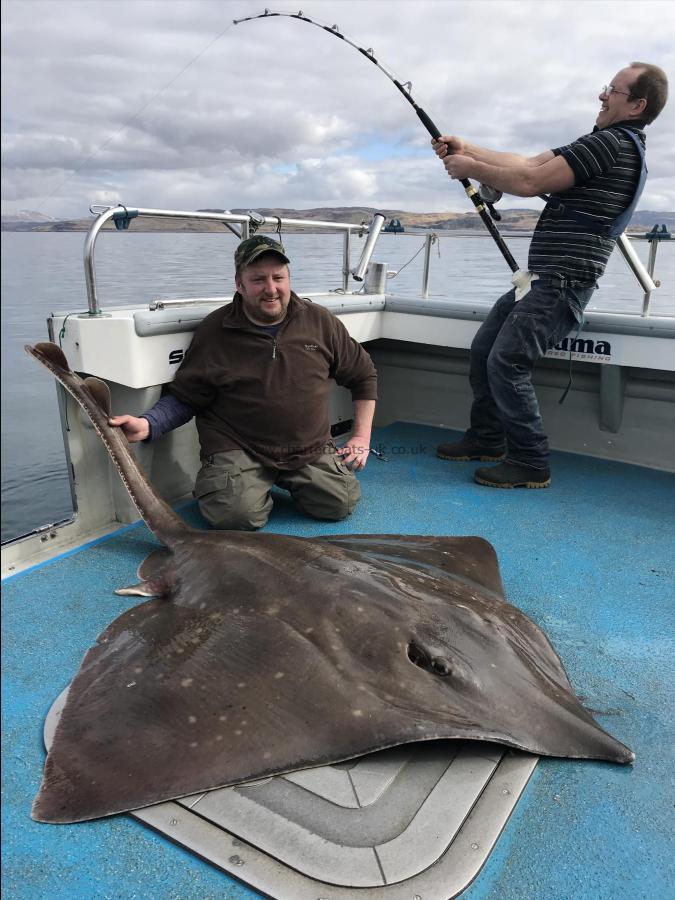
42, 272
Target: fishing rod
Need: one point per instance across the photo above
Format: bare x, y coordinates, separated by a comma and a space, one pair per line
520, 277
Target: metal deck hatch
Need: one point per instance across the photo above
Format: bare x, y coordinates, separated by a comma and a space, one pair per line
412, 823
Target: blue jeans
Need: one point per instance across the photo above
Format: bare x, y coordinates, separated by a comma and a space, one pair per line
504, 351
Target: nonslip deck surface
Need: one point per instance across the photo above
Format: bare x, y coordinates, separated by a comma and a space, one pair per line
590, 560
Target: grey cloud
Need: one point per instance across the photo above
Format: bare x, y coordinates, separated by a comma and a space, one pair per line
140, 99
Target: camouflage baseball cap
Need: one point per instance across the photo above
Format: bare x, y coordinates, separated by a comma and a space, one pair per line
250, 249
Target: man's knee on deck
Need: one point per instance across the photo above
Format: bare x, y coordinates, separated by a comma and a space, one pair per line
233, 492
226, 517
325, 489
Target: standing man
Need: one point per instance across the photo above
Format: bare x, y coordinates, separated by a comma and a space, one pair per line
258, 376
594, 184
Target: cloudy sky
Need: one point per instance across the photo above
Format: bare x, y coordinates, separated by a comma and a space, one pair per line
165, 103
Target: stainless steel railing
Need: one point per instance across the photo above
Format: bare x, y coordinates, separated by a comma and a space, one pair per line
241, 224
644, 274
236, 222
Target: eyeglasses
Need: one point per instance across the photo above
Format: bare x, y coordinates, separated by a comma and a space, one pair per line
610, 89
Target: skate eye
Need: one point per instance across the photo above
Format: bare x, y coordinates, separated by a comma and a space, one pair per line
437, 665
441, 666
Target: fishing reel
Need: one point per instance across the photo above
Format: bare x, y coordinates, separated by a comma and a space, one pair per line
491, 195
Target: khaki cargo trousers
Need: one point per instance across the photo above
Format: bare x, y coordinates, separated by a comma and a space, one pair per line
234, 491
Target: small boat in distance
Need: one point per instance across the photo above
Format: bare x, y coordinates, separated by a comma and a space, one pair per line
655, 234
393, 226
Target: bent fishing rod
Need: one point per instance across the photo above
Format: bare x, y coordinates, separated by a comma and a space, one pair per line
406, 90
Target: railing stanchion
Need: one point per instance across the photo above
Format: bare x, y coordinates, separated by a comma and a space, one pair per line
346, 254
89, 269
427, 259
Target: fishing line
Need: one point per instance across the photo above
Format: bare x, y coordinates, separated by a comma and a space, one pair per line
406, 90
133, 118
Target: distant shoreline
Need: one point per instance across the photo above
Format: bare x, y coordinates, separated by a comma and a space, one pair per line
513, 221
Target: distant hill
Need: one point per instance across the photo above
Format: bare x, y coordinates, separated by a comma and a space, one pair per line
522, 220
24, 220
646, 218
27, 215
513, 219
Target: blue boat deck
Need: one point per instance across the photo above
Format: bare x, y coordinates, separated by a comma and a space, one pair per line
590, 560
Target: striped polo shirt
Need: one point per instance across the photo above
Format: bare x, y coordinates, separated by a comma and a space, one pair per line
606, 166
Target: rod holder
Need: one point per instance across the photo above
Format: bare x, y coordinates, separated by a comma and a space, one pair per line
358, 273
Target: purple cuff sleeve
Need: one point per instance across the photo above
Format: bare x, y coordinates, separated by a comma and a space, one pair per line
168, 413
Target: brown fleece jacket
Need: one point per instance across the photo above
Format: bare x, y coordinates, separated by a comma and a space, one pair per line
269, 395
